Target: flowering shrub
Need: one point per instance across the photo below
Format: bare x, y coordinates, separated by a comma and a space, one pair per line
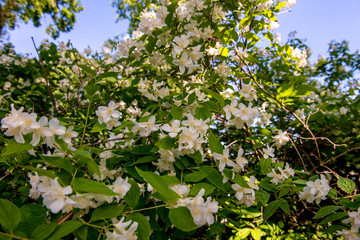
185, 130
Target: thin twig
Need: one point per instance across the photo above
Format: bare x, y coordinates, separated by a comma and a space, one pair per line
85, 125
7, 174
46, 78
302, 160
64, 217
115, 139
324, 138
13, 236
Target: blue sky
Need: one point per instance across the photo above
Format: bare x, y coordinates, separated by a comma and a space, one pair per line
318, 21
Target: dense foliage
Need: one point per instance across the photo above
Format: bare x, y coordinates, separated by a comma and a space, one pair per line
187, 129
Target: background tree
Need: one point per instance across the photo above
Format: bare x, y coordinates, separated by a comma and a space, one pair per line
62, 13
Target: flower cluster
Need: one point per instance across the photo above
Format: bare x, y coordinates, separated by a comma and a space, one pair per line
246, 195
282, 176
58, 198
241, 113
109, 115
55, 197
202, 212
315, 190
19, 123
120, 231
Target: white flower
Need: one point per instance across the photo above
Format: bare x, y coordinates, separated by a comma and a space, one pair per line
202, 212
42, 131
121, 187
351, 234
173, 130
244, 195
180, 43
183, 62
276, 178
106, 154
268, 152
105, 113
54, 195
281, 139
224, 159
354, 219
69, 134
121, 233
144, 128
230, 109
248, 92
240, 160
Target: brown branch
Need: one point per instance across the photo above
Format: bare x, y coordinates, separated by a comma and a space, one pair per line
324, 138
302, 160
46, 78
115, 139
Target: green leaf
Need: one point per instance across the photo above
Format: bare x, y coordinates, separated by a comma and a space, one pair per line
145, 159
265, 164
332, 229
346, 184
59, 162
256, 234
196, 176
286, 90
14, 147
262, 196
182, 219
81, 154
176, 112
217, 96
197, 157
214, 177
91, 91
82, 185
106, 212
65, 229
151, 44
271, 208
86, 158
87, 69
81, 233
159, 184
197, 187
214, 143
32, 216
166, 143
43, 231
133, 195
243, 233
284, 191
285, 206
10, 214
203, 113
324, 211
143, 230
170, 180
98, 127
249, 213
237, 178
333, 217
49, 173
280, 5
